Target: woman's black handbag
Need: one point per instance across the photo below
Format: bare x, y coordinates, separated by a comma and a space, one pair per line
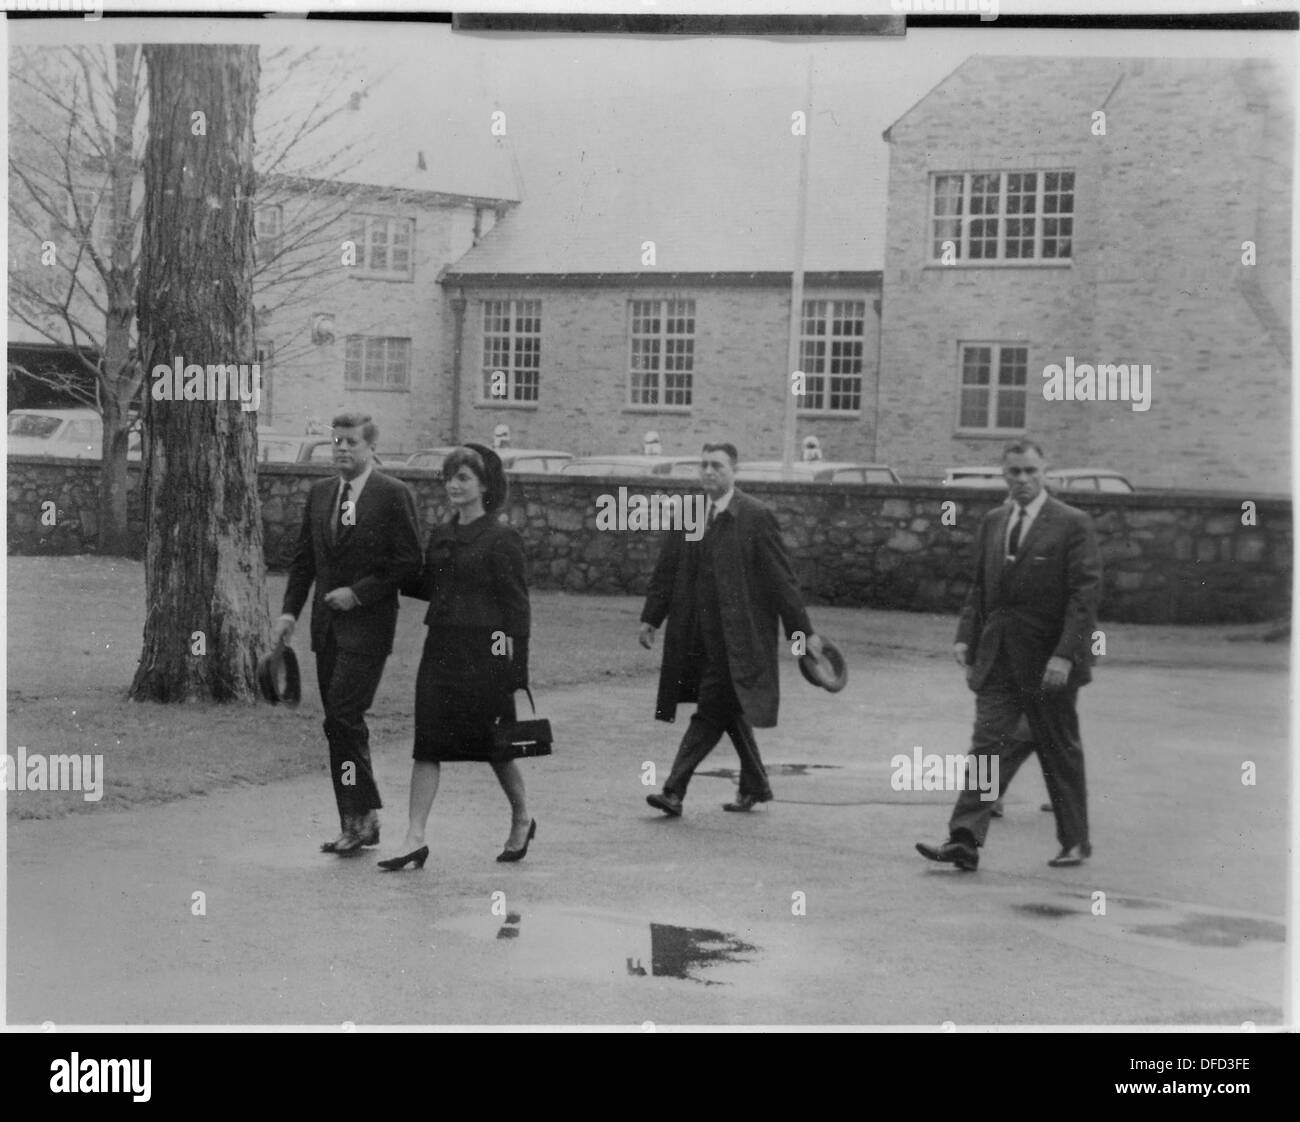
519, 739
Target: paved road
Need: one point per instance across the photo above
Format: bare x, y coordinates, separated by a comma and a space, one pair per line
620, 916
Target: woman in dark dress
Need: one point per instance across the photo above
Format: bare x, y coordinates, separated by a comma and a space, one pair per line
476, 651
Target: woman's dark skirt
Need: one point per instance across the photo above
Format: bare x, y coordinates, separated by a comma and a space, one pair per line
461, 689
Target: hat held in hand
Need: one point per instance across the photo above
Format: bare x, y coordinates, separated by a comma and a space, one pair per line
830, 671
280, 663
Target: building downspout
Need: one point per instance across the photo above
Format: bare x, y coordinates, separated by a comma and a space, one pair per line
458, 305
880, 354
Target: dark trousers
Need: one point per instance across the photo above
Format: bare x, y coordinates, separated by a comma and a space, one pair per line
348, 681
718, 711
1054, 726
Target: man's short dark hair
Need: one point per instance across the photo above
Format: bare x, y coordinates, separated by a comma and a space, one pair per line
729, 449
362, 421
1021, 446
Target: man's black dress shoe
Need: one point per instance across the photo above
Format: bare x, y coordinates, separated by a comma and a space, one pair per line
344, 845
519, 854
965, 857
747, 802
349, 841
367, 826
1072, 855
671, 805
416, 857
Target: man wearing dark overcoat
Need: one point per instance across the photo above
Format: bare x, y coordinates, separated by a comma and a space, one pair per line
1024, 641
723, 596
359, 542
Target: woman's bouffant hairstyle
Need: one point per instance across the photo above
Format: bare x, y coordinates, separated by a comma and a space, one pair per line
486, 466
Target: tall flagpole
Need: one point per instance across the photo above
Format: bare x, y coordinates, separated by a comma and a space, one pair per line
796, 282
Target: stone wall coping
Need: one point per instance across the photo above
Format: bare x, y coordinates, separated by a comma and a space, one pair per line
1141, 500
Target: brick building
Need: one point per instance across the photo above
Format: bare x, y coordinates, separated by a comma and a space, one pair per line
365, 331
646, 285
1061, 211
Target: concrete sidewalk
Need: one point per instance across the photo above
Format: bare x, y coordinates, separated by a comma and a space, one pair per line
812, 910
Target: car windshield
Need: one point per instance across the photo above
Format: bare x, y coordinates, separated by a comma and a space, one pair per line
33, 424
323, 453
279, 451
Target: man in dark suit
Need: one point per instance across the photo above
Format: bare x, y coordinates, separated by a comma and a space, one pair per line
722, 596
1025, 642
359, 541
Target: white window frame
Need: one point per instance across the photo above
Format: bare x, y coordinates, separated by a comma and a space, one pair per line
666, 309
825, 309
517, 385
994, 389
375, 349
365, 235
934, 252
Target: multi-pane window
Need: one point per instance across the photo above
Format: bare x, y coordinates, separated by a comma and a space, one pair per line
1002, 216
268, 224
377, 362
830, 354
661, 365
512, 350
993, 386
384, 246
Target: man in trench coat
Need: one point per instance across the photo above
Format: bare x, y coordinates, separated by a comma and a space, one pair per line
723, 596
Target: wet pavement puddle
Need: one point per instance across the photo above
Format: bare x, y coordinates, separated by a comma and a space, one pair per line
1186, 924
772, 769
551, 942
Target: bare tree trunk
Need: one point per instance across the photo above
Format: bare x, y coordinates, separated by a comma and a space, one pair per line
120, 378
207, 619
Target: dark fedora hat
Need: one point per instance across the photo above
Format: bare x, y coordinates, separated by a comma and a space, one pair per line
281, 659
496, 486
830, 671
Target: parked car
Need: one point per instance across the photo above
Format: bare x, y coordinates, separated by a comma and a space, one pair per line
818, 471
296, 448
1057, 479
989, 478
514, 460
621, 465
1088, 479
76, 433
429, 458
683, 467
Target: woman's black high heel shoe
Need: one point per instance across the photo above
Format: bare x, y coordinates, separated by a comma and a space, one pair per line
519, 854
416, 858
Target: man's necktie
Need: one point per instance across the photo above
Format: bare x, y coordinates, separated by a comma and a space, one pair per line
1014, 543
344, 498
713, 513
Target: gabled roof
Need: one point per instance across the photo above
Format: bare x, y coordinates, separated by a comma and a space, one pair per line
713, 186
340, 133
979, 82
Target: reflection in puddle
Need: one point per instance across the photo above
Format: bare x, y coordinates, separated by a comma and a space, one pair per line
580, 943
676, 951
1203, 930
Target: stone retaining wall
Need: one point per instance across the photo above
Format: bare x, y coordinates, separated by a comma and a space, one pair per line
1169, 557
